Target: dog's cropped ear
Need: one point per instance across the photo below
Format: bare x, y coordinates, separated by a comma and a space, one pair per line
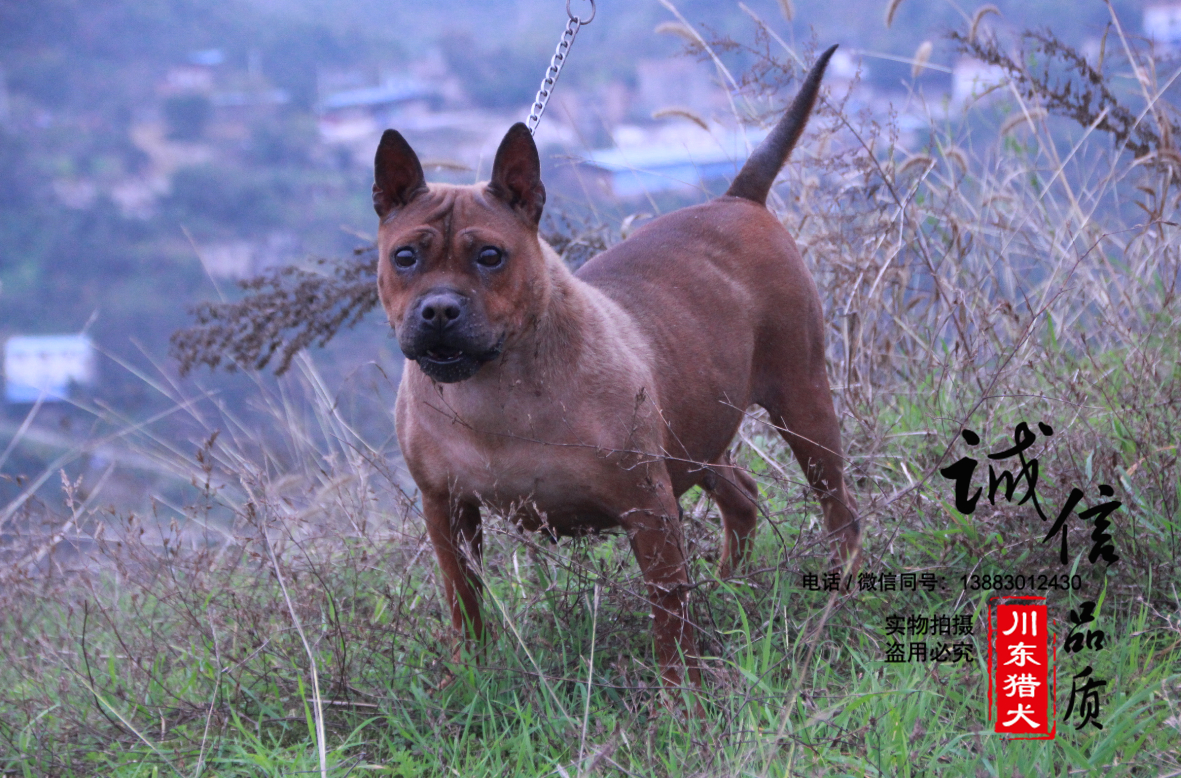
397, 174
516, 174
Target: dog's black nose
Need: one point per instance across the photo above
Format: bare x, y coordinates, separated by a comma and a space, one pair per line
441, 309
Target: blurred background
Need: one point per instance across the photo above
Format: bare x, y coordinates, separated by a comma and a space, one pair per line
154, 153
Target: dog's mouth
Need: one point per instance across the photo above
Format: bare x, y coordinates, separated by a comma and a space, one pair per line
449, 364
443, 355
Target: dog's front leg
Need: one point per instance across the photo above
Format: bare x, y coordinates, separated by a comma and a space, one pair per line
655, 535
454, 529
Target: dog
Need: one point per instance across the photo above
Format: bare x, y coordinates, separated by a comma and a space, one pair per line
578, 402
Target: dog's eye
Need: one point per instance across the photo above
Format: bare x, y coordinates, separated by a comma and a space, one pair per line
405, 257
490, 256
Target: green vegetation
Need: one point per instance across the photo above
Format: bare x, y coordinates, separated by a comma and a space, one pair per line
205, 670
187, 116
301, 588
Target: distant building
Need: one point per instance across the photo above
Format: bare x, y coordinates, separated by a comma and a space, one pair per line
46, 365
391, 93
207, 57
235, 97
636, 167
251, 98
186, 79
352, 114
1162, 24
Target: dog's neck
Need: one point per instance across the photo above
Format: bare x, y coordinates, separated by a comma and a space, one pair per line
553, 338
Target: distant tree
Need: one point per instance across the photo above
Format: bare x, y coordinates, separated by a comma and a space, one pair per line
187, 116
18, 177
286, 140
225, 196
504, 76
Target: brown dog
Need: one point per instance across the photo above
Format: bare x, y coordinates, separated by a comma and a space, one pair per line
576, 402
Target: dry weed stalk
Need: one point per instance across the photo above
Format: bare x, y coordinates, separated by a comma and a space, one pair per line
284, 312
1067, 85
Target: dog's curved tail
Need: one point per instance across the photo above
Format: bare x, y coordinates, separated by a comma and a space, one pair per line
754, 181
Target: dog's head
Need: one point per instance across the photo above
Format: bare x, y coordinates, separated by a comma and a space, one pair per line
461, 269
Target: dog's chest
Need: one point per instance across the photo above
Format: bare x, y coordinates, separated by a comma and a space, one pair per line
525, 450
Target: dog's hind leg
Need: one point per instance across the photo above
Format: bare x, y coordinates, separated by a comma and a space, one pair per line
808, 422
736, 495
455, 532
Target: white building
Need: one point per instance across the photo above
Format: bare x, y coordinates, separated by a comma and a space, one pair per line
46, 365
1162, 24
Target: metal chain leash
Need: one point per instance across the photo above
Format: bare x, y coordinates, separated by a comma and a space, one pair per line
555, 66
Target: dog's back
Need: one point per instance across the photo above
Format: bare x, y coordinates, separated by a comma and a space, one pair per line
722, 285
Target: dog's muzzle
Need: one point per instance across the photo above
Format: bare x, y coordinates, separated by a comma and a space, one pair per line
446, 337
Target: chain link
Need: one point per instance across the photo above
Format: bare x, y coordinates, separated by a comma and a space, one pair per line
555, 66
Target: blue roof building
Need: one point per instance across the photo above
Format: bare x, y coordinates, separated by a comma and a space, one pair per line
637, 170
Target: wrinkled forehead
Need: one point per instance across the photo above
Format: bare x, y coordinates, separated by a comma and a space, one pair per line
442, 209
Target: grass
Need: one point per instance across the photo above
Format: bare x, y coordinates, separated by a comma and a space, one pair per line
285, 617
201, 671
